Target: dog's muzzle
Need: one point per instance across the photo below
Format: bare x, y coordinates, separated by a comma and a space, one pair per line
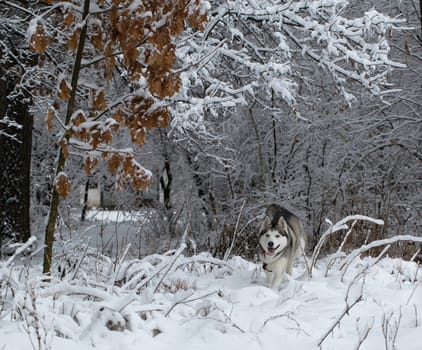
271, 249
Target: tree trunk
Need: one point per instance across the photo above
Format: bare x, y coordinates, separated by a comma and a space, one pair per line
420, 17
15, 160
261, 178
166, 183
85, 206
54, 206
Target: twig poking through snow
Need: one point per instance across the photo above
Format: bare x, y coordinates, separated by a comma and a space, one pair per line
186, 300
39, 333
363, 333
21, 249
75, 271
390, 329
178, 252
229, 251
346, 309
339, 226
413, 291
287, 315
378, 258
355, 253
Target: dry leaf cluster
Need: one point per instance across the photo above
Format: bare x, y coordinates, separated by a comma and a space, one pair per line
139, 35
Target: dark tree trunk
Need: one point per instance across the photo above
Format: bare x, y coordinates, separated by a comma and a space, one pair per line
85, 206
420, 17
61, 162
166, 182
166, 185
15, 160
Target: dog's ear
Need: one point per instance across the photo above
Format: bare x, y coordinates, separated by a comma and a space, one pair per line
282, 225
265, 225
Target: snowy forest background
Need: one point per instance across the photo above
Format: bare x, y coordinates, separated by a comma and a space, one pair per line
297, 103
140, 142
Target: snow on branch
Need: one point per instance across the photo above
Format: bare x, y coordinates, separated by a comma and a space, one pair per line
339, 226
349, 49
20, 248
7, 125
379, 243
66, 288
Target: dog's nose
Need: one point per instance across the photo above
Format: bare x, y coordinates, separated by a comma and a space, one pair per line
270, 244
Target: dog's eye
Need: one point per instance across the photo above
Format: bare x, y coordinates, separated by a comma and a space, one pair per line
267, 235
277, 236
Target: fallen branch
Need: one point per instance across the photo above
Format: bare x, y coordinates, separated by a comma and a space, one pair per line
377, 259
178, 252
21, 247
363, 335
388, 241
186, 300
204, 261
287, 315
345, 311
339, 226
68, 289
229, 251
166, 267
390, 329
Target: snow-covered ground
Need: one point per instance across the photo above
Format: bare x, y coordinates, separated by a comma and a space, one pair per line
178, 302
117, 216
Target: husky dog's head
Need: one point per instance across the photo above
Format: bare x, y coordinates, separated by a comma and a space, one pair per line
274, 236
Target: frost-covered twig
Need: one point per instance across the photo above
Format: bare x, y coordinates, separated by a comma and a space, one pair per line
287, 315
7, 285
414, 256
228, 319
65, 288
144, 281
229, 251
415, 308
170, 265
178, 252
390, 329
78, 265
39, 333
339, 226
378, 258
363, 333
346, 236
141, 280
388, 241
346, 309
118, 265
413, 291
204, 261
21, 248
187, 299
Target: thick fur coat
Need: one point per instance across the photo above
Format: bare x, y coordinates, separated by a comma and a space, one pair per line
281, 241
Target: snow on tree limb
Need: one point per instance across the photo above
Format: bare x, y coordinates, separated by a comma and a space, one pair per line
138, 36
378, 243
20, 248
338, 226
349, 49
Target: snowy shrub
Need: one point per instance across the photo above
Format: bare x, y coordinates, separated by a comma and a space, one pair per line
12, 276
36, 323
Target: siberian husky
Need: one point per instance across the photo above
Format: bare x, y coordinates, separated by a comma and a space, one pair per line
281, 240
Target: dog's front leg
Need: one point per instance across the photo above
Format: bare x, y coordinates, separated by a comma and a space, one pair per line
279, 270
278, 278
270, 277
